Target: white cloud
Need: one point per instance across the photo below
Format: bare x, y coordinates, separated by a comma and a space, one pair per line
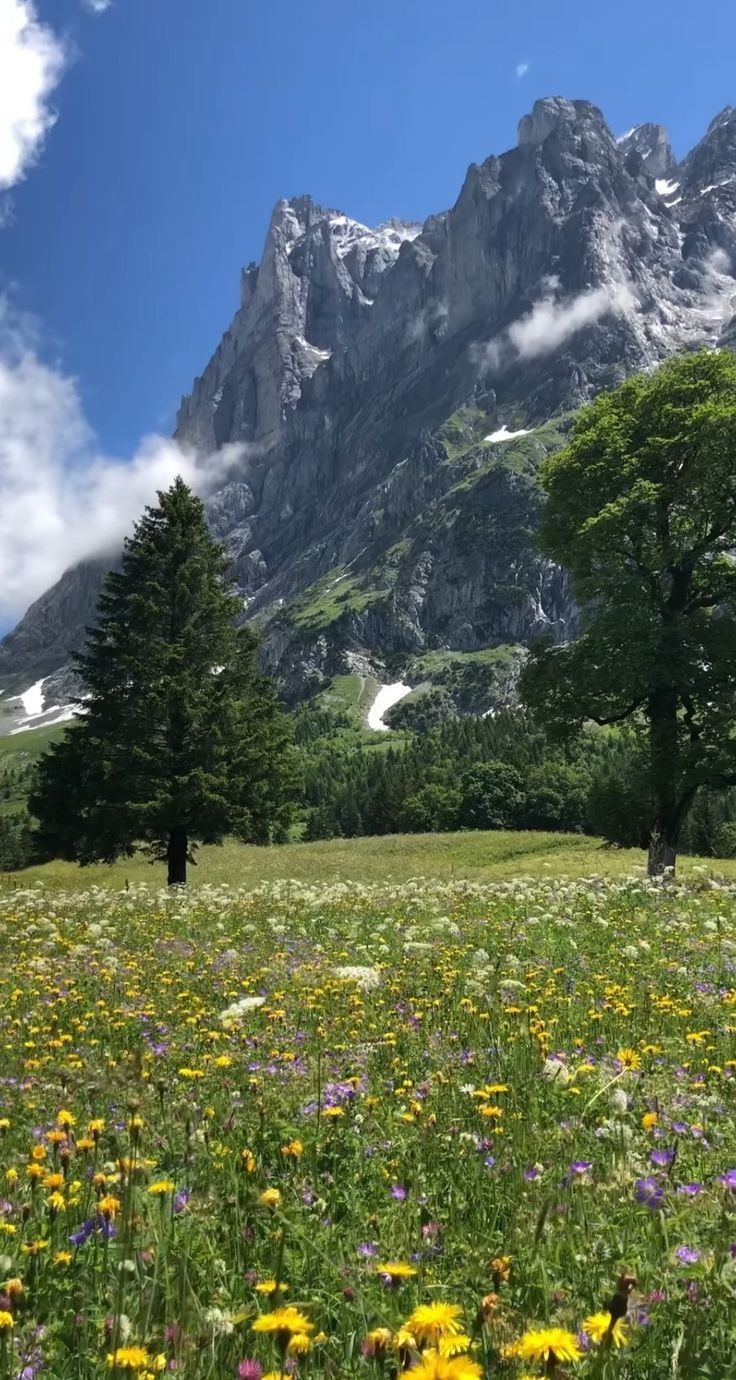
553, 320
97, 6
550, 322
522, 68
32, 60
61, 499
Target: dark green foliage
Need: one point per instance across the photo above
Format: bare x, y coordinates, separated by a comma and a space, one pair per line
434, 809
182, 740
475, 773
491, 796
447, 779
641, 509
16, 841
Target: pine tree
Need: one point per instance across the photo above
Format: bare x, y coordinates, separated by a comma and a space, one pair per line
182, 740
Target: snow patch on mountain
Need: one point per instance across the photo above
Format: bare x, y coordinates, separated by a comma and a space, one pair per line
32, 699
503, 434
387, 697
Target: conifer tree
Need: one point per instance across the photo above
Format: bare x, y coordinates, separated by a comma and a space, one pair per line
182, 740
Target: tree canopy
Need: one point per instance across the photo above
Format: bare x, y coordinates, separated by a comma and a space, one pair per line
181, 739
641, 510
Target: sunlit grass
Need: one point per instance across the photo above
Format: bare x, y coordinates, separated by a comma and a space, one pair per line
493, 1100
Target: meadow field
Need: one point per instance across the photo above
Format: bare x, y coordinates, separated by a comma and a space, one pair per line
326, 1127
466, 855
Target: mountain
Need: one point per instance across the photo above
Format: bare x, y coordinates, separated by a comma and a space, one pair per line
393, 391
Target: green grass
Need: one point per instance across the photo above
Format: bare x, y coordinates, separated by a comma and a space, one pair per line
28, 746
352, 695
479, 857
324, 602
402, 1111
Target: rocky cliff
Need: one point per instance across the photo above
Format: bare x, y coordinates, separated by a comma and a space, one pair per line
393, 391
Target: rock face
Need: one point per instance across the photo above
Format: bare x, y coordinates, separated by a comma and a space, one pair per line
393, 391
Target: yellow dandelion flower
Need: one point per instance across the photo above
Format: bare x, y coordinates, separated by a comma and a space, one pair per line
109, 1206
430, 1321
63, 1258
629, 1058
13, 1288
547, 1344
396, 1270
288, 1322
649, 1120
161, 1187
377, 1342
129, 1358
436, 1367
454, 1346
34, 1247
271, 1286
599, 1328
294, 1148
248, 1160
6, 1320
65, 1119
56, 1202
404, 1340
270, 1198
299, 1344
95, 1127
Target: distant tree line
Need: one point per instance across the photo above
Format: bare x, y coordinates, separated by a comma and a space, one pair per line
490, 773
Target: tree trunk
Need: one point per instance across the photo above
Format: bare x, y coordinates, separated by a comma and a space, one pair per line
177, 856
668, 815
662, 853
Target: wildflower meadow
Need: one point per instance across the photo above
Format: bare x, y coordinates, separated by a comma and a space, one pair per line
341, 1130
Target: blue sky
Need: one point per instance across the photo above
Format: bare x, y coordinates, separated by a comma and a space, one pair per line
180, 122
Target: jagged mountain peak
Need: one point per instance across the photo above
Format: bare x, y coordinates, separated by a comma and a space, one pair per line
713, 160
651, 142
376, 379
557, 115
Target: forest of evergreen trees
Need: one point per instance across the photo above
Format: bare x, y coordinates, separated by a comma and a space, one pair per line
488, 773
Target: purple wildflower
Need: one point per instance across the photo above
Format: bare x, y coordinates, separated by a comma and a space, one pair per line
728, 1179
581, 1166
399, 1193
249, 1370
649, 1191
690, 1190
531, 1173
687, 1255
82, 1233
368, 1249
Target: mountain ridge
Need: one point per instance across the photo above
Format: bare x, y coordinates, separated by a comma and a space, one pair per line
366, 372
